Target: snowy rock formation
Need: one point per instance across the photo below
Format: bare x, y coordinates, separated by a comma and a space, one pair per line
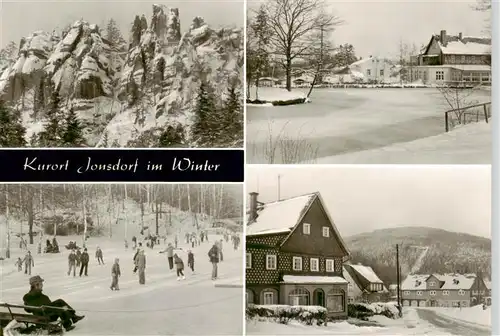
118, 95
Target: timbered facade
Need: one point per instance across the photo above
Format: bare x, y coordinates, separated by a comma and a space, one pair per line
294, 255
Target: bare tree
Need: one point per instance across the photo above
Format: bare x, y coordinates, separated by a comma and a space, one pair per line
293, 22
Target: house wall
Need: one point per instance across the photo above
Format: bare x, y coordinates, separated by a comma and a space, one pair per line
429, 74
465, 59
353, 290
371, 69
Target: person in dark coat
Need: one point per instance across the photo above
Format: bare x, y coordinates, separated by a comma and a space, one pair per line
28, 263
170, 255
134, 242
36, 298
115, 274
84, 258
213, 254
55, 245
72, 263
98, 255
191, 260
135, 257
179, 266
141, 267
78, 257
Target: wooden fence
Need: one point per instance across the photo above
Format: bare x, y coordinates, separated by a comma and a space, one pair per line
466, 115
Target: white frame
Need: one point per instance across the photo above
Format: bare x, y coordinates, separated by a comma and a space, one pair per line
432, 293
420, 293
293, 263
311, 264
406, 292
248, 260
271, 257
461, 292
332, 263
304, 226
327, 231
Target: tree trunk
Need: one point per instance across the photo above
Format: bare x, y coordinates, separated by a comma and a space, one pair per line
7, 249
288, 71
157, 217
84, 213
31, 215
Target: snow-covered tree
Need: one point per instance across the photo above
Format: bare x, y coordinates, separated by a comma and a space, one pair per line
73, 130
11, 130
51, 136
203, 131
231, 123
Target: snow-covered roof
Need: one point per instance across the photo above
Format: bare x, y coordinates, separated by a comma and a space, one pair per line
469, 48
309, 279
415, 282
450, 281
280, 216
367, 272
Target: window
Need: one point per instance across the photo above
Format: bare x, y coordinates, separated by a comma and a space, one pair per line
432, 284
475, 292
382, 72
406, 293
249, 260
297, 263
461, 292
271, 262
335, 301
439, 75
419, 293
350, 300
368, 72
298, 297
314, 262
330, 265
268, 298
445, 292
249, 296
306, 228
453, 60
432, 293
473, 59
349, 287
463, 59
326, 231
482, 292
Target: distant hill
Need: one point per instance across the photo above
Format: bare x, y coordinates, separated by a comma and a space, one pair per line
447, 251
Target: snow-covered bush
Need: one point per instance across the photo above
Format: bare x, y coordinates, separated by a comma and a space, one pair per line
364, 310
308, 315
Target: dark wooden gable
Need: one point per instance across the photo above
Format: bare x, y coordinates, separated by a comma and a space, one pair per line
314, 243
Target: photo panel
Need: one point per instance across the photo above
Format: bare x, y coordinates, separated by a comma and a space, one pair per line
365, 82
368, 250
131, 74
127, 259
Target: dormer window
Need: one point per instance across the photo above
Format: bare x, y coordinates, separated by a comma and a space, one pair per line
306, 228
326, 231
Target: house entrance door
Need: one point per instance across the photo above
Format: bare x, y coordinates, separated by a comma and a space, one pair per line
319, 297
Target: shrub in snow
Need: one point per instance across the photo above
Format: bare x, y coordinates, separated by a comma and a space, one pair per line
363, 311
307, 315
289, 102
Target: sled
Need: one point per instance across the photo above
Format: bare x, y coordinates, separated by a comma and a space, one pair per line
27, 323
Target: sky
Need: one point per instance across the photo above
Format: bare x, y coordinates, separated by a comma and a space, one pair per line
19, 18
366, 198
376, 27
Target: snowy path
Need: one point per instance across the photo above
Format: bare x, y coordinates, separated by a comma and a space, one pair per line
164, 306
338, 122
453, 326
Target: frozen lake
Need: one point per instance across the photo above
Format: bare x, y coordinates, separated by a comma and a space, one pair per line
340, 121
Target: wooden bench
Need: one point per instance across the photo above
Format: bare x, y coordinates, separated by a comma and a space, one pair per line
30, 321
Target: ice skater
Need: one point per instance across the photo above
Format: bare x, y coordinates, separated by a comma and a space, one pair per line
98, 255
179, 265
191, 260
115, 274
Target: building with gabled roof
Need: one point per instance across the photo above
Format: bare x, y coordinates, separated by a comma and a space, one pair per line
295, 254
443, 290
364, 284
451, 59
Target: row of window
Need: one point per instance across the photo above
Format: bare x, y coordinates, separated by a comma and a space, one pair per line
369, 72
469, 60
433, 292
306, 229
297, 263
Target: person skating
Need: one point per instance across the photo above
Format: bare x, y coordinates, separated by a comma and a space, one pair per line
221, 255
84, 258
179, 266
36, 298
72, 262
139, 247
28, 263
98, 255
191, 260
55, 245
78, 256
141, 267
19, 264
115, 274
134, 242
213, 254
170, 255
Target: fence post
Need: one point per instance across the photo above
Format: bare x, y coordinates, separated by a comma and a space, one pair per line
446, 121
485, 113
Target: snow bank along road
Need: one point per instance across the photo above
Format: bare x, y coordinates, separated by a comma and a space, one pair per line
453, 326
164, 306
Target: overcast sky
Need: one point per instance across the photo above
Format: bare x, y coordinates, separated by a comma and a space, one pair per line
375, 27
20, 18
366, 198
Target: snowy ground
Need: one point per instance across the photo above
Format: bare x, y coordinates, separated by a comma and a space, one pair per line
475, 315
164, 306
344, 121
410, 324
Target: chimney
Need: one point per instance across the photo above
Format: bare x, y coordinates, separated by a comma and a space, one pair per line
253, 206
460, 36
442, 37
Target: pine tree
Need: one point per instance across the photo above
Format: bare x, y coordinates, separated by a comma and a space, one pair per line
73, 131
172, 137
51, 135
203, 131
231, 122
105, 140
11, 130
114, 35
